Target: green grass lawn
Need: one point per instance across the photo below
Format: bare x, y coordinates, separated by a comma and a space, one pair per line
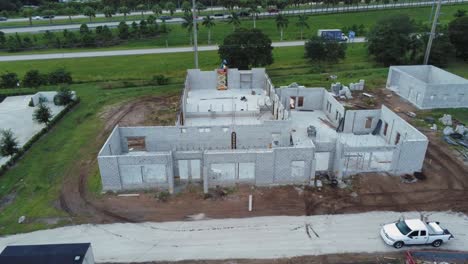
178, 36
37, 178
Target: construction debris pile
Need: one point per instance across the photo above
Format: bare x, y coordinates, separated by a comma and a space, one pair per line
344, 92
454, 133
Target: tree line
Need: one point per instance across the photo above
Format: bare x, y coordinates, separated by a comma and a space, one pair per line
34, 78
102, 36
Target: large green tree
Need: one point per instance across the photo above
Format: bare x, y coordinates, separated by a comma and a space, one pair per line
42, 114
8, 143
389, 40
246, 48
458, 33
318, 49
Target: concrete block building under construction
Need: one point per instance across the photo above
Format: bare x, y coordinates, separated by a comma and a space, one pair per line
234, 126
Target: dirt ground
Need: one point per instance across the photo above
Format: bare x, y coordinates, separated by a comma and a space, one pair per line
445, 186
376, 258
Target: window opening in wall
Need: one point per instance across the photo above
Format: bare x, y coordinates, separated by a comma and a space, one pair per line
136, 144
369, 122
385, 129
292, 102
329, 107
397, 138
337, 115
300, 101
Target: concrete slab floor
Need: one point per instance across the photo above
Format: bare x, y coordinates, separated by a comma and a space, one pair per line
15, 114
206, 101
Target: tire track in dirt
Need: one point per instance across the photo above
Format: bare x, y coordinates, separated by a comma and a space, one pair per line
74, 198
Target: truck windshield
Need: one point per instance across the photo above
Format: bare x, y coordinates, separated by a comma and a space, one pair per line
404, 229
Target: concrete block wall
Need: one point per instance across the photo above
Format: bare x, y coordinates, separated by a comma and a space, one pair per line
167, 138
428, 87
233, 77
313, 97
115, 168
355, 121
201, 80
113, 145
445, 96
336, 107
283, 168
409, 156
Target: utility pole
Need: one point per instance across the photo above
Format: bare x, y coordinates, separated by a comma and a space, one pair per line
195, 40
432, 35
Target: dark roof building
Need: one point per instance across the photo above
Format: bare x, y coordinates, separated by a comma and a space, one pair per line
81, 253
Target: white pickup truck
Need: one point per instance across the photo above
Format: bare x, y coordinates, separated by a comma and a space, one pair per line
414, 232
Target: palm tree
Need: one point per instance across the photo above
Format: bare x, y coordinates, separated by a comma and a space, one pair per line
302, 23
234, 20
124, 10
70, 12
28, 12
281, 23
170, 6
253, 9
188, 24
49, 13
157, 10
89, 12
208, 22
108, 11
186, 7
141, 8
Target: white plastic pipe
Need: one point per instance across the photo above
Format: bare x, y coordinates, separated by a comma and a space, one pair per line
250, 203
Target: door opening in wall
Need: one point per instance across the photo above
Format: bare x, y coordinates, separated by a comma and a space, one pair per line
385, 129
369, 122
300, 101
292, 102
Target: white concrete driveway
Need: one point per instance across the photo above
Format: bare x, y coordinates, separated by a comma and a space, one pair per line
260, 237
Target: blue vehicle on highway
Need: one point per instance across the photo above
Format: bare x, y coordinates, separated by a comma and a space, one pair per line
332, 34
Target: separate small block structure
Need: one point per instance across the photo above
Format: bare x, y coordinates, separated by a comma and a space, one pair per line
255, 133
428, 87
80, 253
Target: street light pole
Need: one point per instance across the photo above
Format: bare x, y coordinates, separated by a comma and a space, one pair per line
432, 35
195, 40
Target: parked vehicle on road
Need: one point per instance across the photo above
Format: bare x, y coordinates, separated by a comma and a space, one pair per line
164, 18
48, 17
37, 18
243, 14
414, 232
218, 15
3, 19
332, 34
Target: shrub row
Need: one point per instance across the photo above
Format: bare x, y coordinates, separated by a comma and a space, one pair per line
4, 168
33, 78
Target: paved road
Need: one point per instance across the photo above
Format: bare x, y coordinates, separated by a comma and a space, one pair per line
132, 52
260, 237
179, 20
23, 19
